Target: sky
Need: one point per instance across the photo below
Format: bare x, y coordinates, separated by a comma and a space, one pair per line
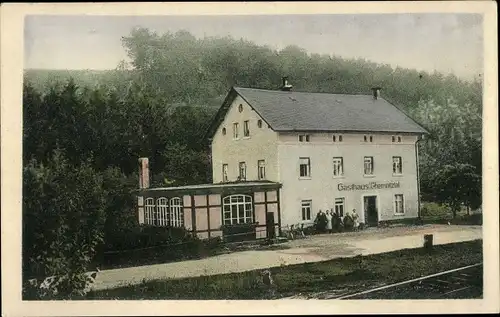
448, 43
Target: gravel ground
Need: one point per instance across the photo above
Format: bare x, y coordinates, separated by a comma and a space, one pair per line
312, 249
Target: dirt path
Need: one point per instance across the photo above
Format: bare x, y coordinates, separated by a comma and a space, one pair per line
312, 249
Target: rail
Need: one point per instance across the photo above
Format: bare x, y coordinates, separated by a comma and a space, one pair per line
407, 282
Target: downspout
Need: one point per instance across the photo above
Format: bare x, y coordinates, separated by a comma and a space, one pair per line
419, 138
211, 160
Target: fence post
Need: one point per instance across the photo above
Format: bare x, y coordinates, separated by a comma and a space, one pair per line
428, 241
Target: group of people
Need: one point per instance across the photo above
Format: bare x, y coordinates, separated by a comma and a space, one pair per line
331, 221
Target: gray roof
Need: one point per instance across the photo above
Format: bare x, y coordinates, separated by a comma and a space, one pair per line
216, 185
305, 111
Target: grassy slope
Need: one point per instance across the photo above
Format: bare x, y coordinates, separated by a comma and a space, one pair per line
354, 273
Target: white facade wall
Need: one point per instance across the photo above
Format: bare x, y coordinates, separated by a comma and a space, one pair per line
282, 151
322, 186
262, 144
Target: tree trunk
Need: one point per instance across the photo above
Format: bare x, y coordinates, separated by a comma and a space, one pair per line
454, 213
468, 211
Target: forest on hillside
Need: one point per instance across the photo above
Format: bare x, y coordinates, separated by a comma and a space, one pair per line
85, 130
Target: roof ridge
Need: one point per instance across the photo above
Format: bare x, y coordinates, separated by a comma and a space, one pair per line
309, 92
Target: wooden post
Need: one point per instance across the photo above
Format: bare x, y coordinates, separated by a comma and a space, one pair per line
428, 241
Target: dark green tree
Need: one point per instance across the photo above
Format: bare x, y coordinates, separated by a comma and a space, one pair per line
458, 185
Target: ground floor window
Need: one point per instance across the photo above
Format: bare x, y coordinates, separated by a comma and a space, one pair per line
306, 210
238, 209
162, 209
399, 204
164, 213
340, 206
149, 216
176, 214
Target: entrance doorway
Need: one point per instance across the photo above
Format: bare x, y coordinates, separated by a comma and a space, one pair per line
371, 212
271, 233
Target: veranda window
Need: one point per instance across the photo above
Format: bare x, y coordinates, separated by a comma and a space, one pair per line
237, 209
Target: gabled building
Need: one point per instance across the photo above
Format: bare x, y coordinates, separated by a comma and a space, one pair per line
328, 151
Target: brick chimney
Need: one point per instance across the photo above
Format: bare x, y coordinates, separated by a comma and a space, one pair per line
143, 172
376, 92
285, 85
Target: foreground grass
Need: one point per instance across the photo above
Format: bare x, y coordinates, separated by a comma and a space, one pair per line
354, 273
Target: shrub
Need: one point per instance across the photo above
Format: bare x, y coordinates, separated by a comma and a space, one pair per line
147, 244
239, 232
434, 212
63, 218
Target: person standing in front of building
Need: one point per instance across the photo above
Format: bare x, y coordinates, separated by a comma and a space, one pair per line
320, 221
328, 221
355, 219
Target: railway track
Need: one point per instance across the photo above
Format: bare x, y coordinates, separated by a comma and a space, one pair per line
461, 283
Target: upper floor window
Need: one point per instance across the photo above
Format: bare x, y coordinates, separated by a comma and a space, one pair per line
393, 138
223, 131
305, 167
337, 138
240, 108
259, 123
261, 169
304, 138
368, 165
399, 139
224, 173
371, 138
246, 129
306, 206
365, 138
235, 130
338, 166
397, 165
243, 171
